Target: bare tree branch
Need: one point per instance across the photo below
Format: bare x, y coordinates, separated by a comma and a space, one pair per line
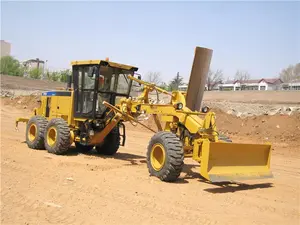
214, 78
242, 75
153, 77
291, 73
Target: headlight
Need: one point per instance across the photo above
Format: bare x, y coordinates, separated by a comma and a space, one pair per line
178, 106
205, 109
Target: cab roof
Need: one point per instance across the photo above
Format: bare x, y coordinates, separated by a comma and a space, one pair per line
104, 62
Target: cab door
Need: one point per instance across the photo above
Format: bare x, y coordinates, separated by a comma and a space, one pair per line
84, 92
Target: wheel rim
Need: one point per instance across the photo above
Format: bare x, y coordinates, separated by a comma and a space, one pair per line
32, 132
51, 136
158, 157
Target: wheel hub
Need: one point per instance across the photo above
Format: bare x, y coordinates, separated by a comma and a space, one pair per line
158, 157
32, 132
51, 136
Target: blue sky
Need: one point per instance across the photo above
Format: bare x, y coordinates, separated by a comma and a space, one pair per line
259, 37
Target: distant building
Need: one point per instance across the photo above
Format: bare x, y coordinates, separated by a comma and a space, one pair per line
293, 86
183, 87
229, 85
260, 85
34, 63
5, 48
263, 84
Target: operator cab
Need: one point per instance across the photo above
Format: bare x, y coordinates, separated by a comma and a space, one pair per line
96, 81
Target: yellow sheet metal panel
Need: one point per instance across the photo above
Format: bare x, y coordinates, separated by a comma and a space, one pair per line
85, 62
167, 118
121, 66
53, 107
233, 162
93, 62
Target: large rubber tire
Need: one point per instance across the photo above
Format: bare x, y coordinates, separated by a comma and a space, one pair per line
57, 136
111, 143
224, 138
83, 148
165, 156
35, 130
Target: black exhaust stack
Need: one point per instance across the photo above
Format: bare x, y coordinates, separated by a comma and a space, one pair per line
69, 82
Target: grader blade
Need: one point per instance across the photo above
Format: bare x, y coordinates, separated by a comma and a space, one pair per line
234, 162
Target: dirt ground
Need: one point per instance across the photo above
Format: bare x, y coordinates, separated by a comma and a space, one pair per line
42, 188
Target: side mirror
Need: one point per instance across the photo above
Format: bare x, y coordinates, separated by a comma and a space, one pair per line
139, 77
205, 109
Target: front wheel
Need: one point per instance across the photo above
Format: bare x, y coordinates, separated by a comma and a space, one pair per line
83, 148
165, 156
111, 143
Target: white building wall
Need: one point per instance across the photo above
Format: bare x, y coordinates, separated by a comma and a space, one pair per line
263, 86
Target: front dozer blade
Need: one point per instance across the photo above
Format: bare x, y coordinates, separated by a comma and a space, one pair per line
233, 162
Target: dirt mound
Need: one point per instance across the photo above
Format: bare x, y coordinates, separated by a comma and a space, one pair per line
275, 129
22, 102
23, 83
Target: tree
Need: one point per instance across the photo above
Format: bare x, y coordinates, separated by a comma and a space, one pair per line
291, 73
11, 66
64, 75
153, 77
241, 76
36, 73
164, 86
54, 76
176, 82
214, 78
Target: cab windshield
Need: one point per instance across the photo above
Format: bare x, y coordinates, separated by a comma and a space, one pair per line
96, 84
114, 80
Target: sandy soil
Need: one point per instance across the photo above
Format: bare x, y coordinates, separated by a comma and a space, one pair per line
41, 188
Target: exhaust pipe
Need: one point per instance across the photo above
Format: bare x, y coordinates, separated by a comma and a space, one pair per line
69, 82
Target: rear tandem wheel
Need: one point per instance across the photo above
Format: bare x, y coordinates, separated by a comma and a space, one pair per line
57, 136
35, 130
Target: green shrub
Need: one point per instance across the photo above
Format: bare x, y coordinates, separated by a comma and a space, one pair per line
11, 66
35, 73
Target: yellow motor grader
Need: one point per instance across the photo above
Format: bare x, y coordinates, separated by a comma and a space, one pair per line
93, 114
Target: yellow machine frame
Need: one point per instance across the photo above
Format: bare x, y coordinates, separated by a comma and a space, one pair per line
219, 160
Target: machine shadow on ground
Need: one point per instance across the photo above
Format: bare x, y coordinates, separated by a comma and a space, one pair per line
226, 187
132, 158
222, 187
